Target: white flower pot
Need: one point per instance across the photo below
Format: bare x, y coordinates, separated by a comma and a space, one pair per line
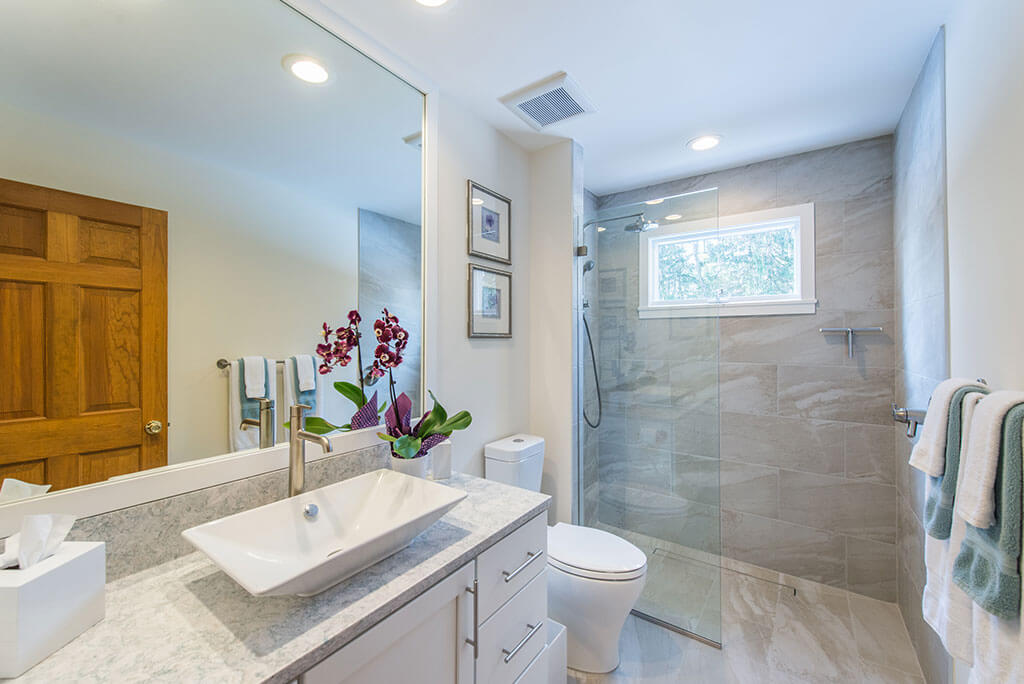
417, 467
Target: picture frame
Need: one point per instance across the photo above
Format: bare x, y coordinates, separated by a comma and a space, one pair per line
489, 223
490, 302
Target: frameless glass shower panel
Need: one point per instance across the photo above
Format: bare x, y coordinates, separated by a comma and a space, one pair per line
649, 431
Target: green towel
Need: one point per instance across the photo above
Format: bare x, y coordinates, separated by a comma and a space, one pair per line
938, 509
251, 407
988, 566
309, 396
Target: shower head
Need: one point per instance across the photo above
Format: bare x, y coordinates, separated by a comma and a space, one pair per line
589, 266
641, 225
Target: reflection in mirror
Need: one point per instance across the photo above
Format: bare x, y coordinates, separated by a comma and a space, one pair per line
185, 182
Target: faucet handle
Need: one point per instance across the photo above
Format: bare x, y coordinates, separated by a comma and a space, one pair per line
296, 414
266, 404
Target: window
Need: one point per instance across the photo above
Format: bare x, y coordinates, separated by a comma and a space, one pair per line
744, 265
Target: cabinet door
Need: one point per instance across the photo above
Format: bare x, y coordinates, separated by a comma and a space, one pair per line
424, 642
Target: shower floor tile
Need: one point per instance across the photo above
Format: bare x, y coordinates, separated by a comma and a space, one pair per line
774, 628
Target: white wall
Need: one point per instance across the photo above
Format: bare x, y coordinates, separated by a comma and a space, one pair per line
985, 146
552, 395
249, 268
488, 377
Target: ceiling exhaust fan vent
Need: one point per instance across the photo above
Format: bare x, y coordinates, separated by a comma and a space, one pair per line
552, 100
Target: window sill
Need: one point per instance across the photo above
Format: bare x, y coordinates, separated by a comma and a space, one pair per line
798, 306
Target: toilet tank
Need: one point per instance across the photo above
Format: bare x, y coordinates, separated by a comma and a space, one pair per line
517, 460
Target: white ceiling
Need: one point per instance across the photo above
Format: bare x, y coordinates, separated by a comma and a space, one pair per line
773, 77
205, 79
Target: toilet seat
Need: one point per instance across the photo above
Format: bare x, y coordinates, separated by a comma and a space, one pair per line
594, 554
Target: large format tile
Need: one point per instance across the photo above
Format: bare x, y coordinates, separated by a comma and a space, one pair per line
749, 388
781, 339
794, 549
797, 444
872, 350
848, 394
750, 488
810, 640
881, 636
867, 222
841, 172
859, 281
869, 453
861, 509
871, 568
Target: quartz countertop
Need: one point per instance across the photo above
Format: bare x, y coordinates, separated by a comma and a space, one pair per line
186, 621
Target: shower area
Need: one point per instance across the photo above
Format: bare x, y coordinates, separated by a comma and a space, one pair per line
729, 428
649, 426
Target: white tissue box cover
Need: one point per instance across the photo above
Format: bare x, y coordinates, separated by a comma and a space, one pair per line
49, 604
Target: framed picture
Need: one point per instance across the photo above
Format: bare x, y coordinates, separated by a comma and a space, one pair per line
490, 302
490, 220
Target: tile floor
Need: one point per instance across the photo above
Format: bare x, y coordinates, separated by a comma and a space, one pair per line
774, 629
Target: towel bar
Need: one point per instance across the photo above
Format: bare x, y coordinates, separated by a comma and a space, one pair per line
224, 363
849, 332
912, 417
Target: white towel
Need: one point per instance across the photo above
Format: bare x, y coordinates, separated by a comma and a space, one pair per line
289, 398
929, 454
306, 371
975, 498
238, 439
945, 606
255, 377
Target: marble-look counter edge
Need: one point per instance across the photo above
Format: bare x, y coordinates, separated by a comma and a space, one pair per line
184, 620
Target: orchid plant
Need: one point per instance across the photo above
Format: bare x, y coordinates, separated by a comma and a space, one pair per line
406, 440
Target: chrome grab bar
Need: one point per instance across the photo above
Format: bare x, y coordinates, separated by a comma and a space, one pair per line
509, 655
530, 557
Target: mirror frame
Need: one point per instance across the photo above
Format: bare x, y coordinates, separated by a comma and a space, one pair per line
181, 478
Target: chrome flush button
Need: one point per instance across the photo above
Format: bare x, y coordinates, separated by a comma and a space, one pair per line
310, 511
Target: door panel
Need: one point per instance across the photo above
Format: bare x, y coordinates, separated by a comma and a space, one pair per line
83, 348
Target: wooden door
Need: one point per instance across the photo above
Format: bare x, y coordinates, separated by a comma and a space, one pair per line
83, 336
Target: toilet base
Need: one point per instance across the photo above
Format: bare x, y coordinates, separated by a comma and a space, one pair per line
593, 612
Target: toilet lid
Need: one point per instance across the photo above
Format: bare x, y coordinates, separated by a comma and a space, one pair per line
593, 553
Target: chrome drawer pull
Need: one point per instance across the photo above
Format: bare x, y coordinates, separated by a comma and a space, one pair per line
475, 641
530, 557
509, 655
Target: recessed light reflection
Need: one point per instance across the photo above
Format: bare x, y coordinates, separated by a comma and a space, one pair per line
656, 201
704, 143
477, 201
432, 3
600, 229
673, 217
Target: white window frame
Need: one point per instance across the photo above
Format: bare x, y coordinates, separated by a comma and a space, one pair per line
803, 303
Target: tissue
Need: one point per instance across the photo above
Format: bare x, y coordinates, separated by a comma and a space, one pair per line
39, 538
13, 489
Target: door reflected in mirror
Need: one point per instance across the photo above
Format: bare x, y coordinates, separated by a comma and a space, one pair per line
183, 183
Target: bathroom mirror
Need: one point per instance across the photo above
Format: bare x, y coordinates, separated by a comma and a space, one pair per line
186, 182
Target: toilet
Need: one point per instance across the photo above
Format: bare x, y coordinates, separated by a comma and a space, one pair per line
594, 577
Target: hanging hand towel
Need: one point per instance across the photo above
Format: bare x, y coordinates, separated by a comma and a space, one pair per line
293, 381
938, 508
255, 374
241, 406
976, 501
929, 454
306, 372
944, 605
988, 565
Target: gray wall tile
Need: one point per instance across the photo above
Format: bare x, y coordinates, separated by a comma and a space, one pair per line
749, 388
871, 568
869, 453
814, 446
859, 509
750, 488
848, 394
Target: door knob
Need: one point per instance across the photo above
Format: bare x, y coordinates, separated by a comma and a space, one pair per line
154, 427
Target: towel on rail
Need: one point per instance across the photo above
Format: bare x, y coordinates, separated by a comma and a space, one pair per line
938, 507
944, 605
929, 454
240, 405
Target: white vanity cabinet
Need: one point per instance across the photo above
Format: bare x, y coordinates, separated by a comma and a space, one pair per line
449, 635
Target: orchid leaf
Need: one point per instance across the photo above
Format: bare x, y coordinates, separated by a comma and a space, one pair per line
319, 426
406, 446
460, 421
351, 392
386, 438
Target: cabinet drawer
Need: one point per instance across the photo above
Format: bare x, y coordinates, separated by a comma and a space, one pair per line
537, 671
513, 636
509, 565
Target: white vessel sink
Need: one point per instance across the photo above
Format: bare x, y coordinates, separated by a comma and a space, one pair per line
277, 549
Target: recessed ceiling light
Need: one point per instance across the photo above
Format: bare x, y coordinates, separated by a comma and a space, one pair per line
657, 201
432, 3
600, 229
477, 201
704, 143
673, 217
305, 68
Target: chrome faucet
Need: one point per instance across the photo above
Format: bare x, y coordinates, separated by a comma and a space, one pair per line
297, 450
265, 424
